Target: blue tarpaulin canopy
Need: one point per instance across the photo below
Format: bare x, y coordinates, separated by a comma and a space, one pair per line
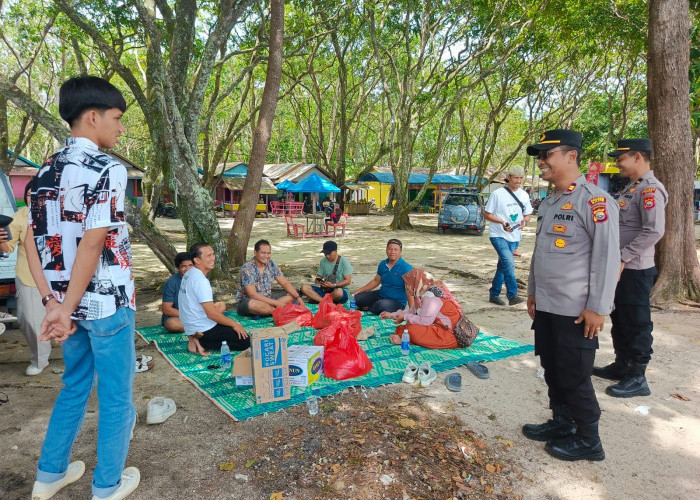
285, 185
314, 184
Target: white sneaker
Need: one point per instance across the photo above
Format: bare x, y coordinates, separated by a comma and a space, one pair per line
7, 317
131, 477
44, 491
410, 373
33, 370
426, 374
159, 410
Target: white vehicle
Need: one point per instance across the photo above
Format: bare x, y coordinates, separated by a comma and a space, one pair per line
7, 261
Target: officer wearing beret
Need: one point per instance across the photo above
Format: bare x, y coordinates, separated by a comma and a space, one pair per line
571, 288
642, 225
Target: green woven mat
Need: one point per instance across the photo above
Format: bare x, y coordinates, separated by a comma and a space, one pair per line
388, 363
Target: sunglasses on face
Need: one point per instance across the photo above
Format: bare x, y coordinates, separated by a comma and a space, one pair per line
543, 155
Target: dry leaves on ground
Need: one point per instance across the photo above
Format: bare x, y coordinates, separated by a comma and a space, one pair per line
680, 396
374, 448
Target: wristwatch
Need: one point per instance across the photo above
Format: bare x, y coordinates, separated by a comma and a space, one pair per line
45, 299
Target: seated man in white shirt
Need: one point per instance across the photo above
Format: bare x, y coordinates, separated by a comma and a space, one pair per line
205, 325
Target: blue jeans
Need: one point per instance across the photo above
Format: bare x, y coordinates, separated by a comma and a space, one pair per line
320, 291
101, 351
372, 302
505, 270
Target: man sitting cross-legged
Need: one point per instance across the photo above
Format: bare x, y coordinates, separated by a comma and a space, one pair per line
254, 295
171, 289
334, 276
205, 325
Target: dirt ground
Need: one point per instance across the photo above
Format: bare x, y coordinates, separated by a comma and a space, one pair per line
392, 442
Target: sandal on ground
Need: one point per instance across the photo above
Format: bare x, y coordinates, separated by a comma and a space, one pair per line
478, 369
144, 363
453, 381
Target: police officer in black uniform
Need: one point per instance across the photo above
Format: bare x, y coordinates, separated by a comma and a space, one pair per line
571, 287
642, 224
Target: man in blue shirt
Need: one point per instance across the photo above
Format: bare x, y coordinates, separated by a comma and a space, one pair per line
391, 296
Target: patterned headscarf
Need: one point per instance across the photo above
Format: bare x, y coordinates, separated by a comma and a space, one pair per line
418, 282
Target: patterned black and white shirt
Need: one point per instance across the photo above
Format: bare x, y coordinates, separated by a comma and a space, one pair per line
80, 188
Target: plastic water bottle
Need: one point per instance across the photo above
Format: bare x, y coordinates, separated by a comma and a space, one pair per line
312, 403
353, 305
225, 357
405, 342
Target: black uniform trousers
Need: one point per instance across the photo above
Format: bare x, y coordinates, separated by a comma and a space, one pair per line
631, 319
567, 358
212, 339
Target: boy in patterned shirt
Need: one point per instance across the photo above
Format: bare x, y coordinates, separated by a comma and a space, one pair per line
80, 257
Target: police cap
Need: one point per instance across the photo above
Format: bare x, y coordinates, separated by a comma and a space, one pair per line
557, 137
627, 145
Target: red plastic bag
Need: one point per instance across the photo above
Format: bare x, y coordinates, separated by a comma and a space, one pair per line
328, 313
353, 319
326, 336
291, 312
343, 358
326, 308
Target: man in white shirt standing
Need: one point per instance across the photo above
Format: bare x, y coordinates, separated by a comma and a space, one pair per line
205, 325
507, 210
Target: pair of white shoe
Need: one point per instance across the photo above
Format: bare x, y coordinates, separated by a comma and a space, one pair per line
131, 477
423, 373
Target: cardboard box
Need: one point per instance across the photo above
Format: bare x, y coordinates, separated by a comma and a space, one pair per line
243, 368
270, 366
265, 365
305, 364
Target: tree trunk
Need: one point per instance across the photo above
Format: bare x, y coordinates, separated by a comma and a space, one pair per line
4, 137
147, 232
240, 234
669, 129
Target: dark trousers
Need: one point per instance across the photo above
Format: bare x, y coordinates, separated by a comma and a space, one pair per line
212, 339
567, 358
372, 302
631, 319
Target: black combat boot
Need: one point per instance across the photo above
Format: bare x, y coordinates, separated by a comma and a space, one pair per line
584, 445
614, 371
633, 384
560, 425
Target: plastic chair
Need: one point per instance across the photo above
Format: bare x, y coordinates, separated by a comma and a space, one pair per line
292, 228
340, 224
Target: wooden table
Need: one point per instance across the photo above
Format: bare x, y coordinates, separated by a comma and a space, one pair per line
315, 223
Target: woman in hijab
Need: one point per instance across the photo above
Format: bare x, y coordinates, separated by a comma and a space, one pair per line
430, 321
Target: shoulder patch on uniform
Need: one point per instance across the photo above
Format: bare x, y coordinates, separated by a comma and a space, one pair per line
560, 242
649, 190
649, 202
567, 206
599, 209
597, 200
